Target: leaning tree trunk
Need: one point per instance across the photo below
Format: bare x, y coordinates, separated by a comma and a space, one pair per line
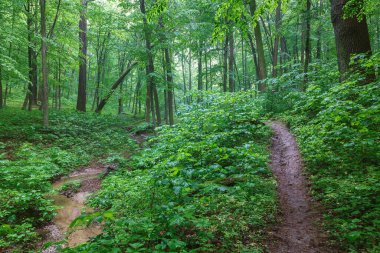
351, 37
81, 101
114, 86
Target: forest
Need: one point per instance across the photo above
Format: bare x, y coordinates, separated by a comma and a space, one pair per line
190, 126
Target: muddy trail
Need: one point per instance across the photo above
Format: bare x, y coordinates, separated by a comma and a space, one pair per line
71, 204
299, 228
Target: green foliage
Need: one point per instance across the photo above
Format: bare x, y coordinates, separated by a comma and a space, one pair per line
32, 157
338, 132
72, 186
202, 185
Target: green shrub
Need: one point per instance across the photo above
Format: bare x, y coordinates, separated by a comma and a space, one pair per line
339, 135
201, 186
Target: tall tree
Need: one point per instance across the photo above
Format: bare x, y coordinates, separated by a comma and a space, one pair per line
225, 63
45, 98
231, 61
152, 103
259, 46
351, 37
276, 39
307, 43
82, 81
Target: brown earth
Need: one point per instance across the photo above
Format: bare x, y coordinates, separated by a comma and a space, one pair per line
299, 229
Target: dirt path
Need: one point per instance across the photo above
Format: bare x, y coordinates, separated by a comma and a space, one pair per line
299, 229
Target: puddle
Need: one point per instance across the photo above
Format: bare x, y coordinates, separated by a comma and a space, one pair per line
69, 208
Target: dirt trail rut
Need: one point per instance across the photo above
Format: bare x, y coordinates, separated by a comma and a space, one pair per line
299, 230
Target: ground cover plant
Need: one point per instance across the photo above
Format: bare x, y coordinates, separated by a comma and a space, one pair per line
338, 130
33, 157
201, 186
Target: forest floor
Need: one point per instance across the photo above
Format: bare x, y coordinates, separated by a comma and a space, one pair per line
71, 204
299, 228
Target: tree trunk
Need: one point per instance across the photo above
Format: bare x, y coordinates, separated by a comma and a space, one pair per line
254, 55
82, 84
183, 76
190, 76
114, 86
200, 53
277, 39
225, 64
32, 61
260, 48
151, 89
307, 44
231, 61
169, 80
45, 98
351, 37
319, 31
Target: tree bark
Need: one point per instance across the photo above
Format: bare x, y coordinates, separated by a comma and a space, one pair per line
151, 96
260, 48
307, 44
225, 64
231, 61
82, 84
45, 98
200, 53
351, 37
277, 39
319, 31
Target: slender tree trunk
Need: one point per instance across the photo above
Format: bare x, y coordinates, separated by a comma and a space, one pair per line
277, 39
295, 49
82, 84
206, 69
231, 61
183, 76
307, 43
59, 85
225, 64
190, 76
200, 53
45, 98
284, 54
32, 63
151, 88
319, 31
254, 55
169, 80
260, 48
351, 37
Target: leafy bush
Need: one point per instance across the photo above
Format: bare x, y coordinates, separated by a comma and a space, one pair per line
339, 134
32, 157
202, 185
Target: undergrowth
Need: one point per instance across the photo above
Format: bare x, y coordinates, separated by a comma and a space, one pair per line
31, 157
201, 186
338, 131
